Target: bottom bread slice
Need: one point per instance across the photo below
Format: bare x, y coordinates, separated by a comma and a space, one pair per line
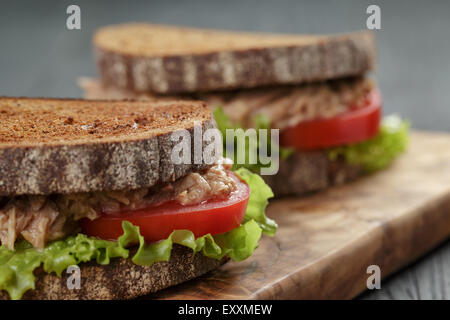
122, 279
309, 171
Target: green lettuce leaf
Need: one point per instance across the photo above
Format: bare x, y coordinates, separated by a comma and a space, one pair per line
260, 193
378, 152
223, 122
16, 267
238, 243
261, 122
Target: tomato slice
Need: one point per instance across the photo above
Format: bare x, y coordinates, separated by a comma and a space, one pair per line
157, 222
353, 126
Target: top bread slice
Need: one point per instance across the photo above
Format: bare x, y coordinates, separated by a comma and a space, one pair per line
73, 145
167, 59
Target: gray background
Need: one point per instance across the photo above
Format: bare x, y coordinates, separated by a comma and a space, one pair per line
40, 57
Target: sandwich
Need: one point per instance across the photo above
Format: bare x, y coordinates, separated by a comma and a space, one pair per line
312, 90
95, 202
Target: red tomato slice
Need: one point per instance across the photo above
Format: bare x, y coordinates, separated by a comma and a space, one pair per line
353, 126
156, 223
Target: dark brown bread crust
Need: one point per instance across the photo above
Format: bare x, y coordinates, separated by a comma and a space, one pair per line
122, 279
329, 57
128, 162
305, 172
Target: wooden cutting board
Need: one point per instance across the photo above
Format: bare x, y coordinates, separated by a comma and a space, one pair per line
325, 242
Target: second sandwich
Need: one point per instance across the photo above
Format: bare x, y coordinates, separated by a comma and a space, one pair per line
312, 88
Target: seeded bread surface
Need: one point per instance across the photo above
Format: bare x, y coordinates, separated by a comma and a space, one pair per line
167, 59
69, 145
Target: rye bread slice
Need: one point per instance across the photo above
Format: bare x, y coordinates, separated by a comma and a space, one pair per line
122, 279
73, 145
167, 59
310, 171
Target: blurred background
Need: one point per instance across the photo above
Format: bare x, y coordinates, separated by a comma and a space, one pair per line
40, 57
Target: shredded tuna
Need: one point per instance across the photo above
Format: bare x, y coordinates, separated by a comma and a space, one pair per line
284, 106
214, 183
34, 218
40, 219
290, 105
